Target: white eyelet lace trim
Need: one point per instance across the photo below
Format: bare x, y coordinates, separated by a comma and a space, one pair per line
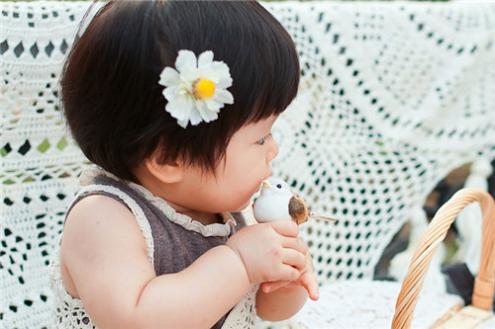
185, 221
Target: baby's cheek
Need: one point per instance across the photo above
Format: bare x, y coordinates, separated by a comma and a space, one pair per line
243, 185
243, 198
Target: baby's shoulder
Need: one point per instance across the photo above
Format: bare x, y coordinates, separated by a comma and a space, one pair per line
99, 220
96, 207
100, 242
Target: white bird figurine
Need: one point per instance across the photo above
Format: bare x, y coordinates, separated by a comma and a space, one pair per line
277, 202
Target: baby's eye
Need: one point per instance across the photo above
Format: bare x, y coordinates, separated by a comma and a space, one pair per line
263, 140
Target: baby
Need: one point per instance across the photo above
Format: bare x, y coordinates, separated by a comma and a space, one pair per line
174, 103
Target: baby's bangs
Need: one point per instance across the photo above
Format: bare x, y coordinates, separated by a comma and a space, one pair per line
266, 66
280, 79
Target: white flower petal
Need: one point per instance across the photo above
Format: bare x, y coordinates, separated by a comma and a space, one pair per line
189, 75
224, 80
207, 73
212, 116
169, 77
221, 68
200, 105
195, 117
213, 105
223, 96
205, 59
180, 108
170, 92
224, 83
185, 60
203, 111
183, 123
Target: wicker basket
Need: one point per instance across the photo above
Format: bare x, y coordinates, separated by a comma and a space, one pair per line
484, 287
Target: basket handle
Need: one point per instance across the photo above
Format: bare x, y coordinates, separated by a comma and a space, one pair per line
484, 286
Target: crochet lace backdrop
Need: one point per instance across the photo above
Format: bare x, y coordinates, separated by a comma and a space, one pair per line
392, 97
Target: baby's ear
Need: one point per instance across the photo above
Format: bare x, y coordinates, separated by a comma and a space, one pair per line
167, 173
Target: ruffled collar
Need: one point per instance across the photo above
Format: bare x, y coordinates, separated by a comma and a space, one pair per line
216, 229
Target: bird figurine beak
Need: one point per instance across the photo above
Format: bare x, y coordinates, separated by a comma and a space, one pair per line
321, 217
266, 184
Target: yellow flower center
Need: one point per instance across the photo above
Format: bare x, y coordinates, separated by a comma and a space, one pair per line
204, 88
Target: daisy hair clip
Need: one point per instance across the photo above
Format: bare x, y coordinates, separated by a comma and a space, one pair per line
196, 89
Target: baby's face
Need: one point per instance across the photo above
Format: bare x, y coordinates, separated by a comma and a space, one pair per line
248, 162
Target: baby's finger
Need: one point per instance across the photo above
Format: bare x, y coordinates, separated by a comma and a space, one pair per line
310, 282
285, 227
286, 273
296, 244
294, 258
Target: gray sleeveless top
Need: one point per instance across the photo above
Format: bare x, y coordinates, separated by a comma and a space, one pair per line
174, 241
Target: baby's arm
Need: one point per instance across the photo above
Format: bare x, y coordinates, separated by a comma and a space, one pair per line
105, 254
280, 304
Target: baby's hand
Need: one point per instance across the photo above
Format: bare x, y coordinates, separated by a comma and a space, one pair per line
270, 251
307, 279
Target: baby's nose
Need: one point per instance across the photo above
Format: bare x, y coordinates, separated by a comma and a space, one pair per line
273, 151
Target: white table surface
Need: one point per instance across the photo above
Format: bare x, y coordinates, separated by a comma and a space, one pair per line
370, 304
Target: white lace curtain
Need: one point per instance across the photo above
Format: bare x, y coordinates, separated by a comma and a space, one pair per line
392, 97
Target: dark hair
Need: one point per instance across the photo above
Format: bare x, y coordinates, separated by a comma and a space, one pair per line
114, 104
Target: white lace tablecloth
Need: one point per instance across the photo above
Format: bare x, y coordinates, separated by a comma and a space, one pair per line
370, 304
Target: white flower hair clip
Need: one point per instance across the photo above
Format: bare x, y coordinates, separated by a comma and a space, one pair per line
196, 89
